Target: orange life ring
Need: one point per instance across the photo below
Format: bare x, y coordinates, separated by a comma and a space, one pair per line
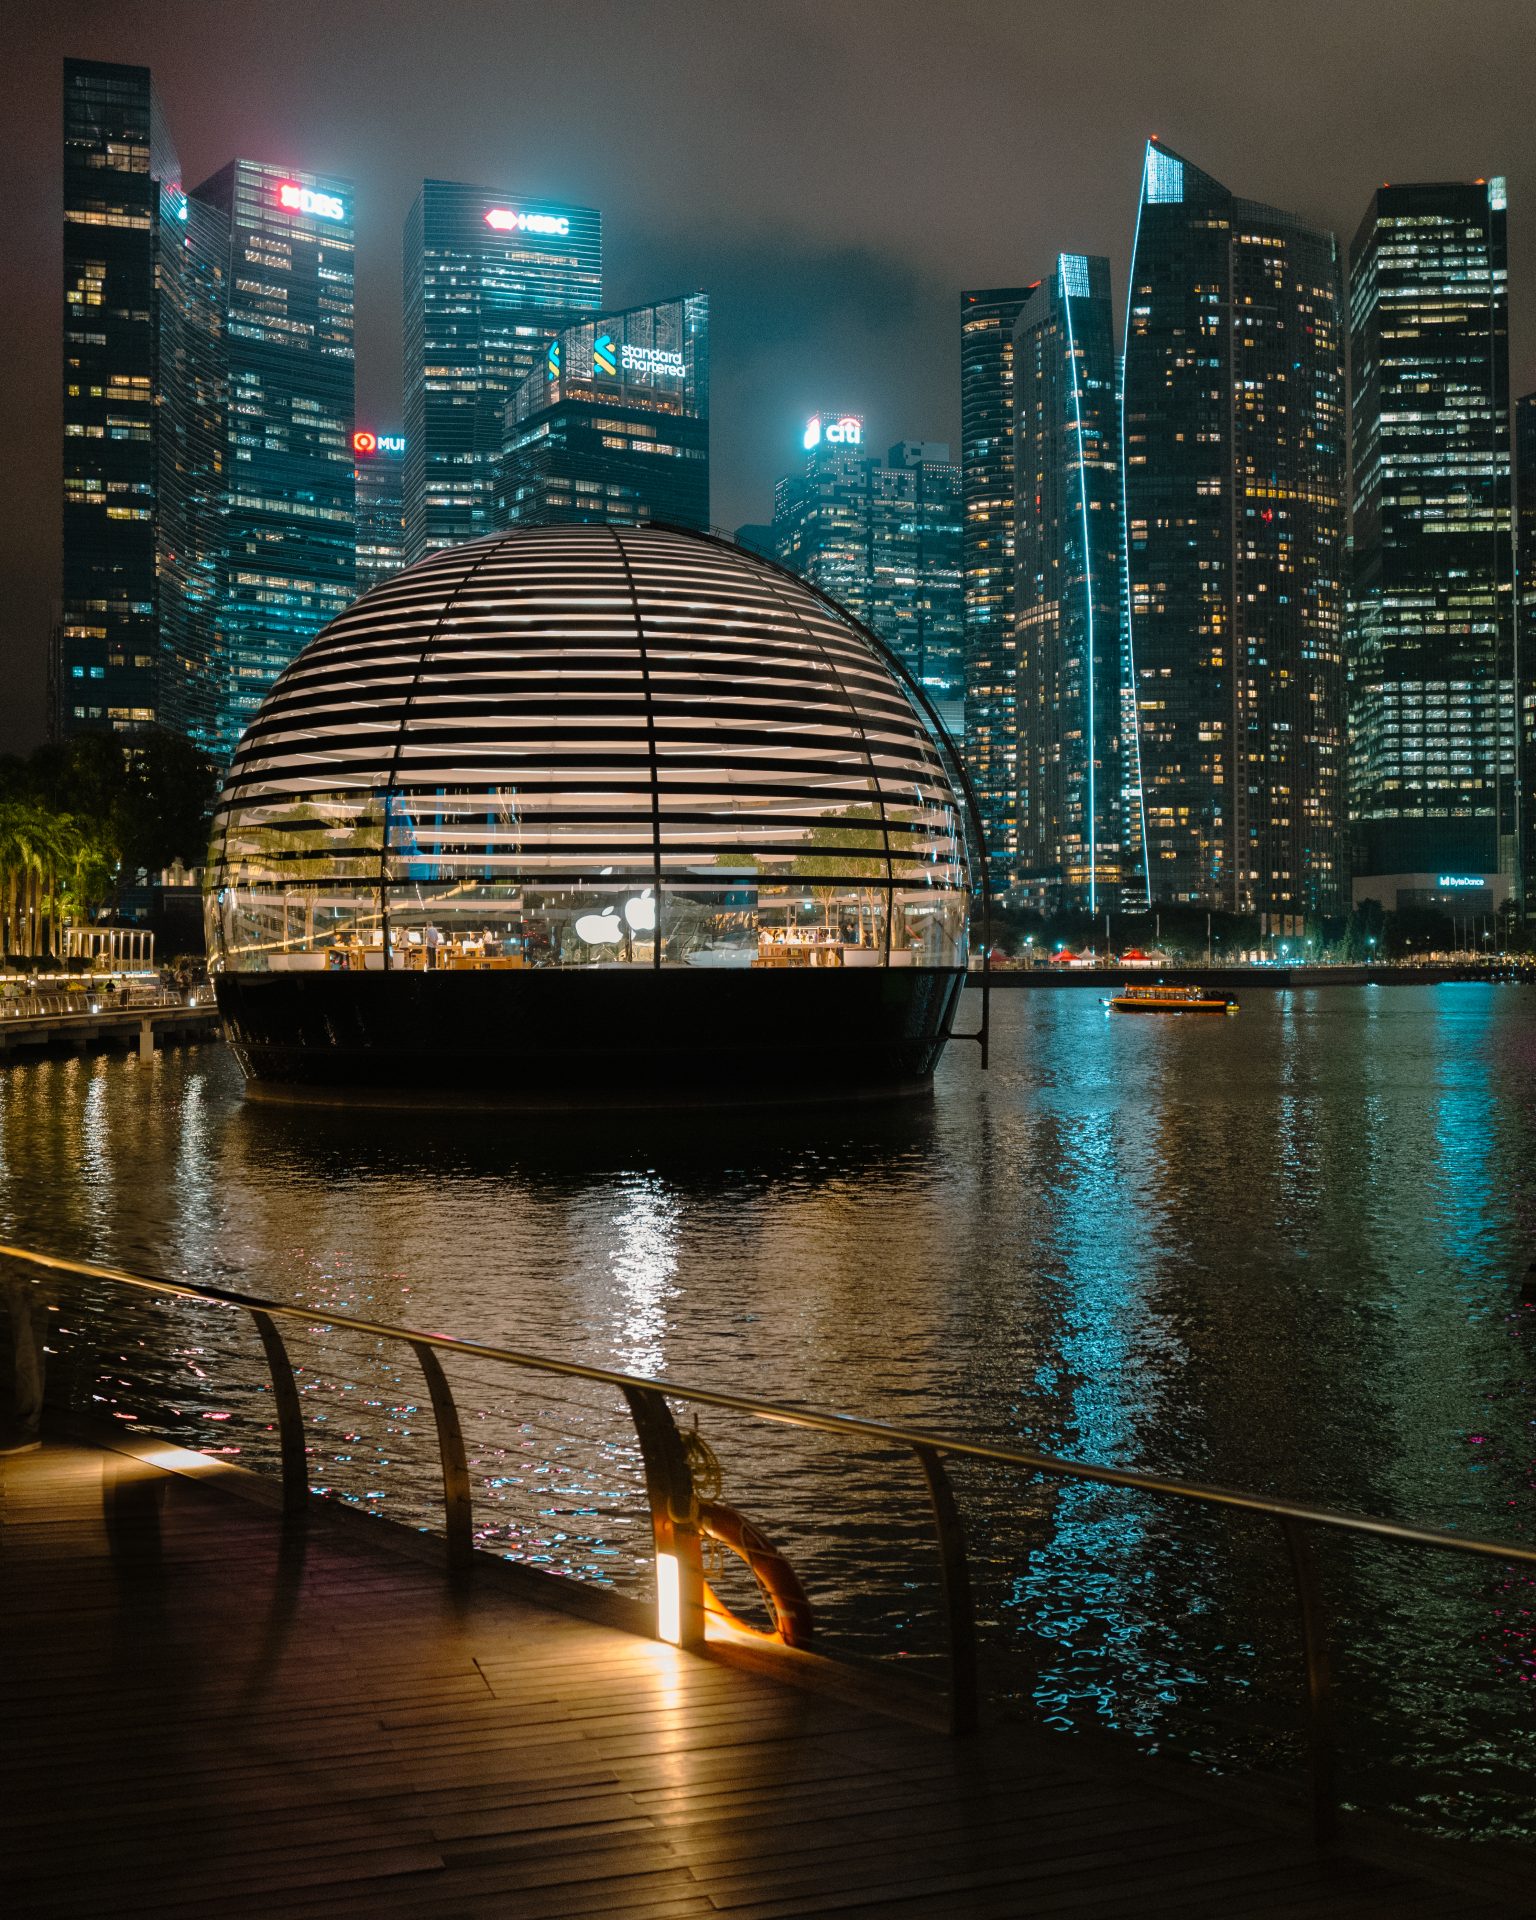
793, 1622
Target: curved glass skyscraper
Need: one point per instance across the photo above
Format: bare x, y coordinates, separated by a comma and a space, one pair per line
1079, 819
1234, 462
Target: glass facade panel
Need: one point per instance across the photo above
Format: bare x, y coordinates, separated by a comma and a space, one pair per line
590, 747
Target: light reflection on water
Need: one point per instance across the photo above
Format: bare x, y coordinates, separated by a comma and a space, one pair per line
1287, 1251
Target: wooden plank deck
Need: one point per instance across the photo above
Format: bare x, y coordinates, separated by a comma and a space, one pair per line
196, 1719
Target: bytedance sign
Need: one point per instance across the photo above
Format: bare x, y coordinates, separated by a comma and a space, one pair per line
843, 430
1461, 880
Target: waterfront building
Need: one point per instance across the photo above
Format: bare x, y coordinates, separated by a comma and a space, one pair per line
143, 420
613, 424
377, 462
884, 540
1432, 639
490, 280
289, 505
1078, 803
1525, 641
987, 318
1232, 431
619, 836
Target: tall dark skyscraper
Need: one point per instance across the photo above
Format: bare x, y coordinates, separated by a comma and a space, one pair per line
377, 463
1079, 811
289, 513
143, 419
1232, 429
1432, 626
987, 317
613, 424
821, 511
490, 279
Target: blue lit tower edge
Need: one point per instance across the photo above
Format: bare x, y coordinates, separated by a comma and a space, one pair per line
1077, 834
1234, 535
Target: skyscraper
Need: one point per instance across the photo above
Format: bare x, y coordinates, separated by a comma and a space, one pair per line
1079, 811
1432, 700
1525, 639
916, 569
613, 424
143, 418
490, 279
1232, 431
289, 516
883, 539
987, 317
821, 511
377, 462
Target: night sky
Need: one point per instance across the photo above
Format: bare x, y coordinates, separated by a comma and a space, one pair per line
831, 171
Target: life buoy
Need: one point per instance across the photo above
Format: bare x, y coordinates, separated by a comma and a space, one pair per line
793, 1622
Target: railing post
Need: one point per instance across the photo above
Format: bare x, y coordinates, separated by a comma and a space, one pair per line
959, 1607
1314, 1642
674, 1519
458, 1512
290, 1418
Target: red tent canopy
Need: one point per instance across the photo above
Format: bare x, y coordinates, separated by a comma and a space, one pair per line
1057, 959
1133, 953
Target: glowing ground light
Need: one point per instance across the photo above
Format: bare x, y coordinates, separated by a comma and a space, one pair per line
669, 1600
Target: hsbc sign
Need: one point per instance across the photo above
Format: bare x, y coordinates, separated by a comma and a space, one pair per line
505, 220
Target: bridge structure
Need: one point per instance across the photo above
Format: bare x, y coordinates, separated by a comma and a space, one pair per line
224, 1693
81, 1021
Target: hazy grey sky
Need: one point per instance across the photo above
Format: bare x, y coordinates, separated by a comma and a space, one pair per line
832, 171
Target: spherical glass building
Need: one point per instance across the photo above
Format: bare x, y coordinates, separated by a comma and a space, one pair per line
589, 815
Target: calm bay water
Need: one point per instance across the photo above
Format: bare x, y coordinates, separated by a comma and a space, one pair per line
1290, 1251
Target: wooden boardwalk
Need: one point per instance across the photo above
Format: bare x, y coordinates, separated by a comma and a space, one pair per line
198, 1720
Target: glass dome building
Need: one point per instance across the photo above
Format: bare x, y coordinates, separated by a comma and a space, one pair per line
588, 815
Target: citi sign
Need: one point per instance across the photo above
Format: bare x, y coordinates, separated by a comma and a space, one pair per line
847, 430
378, 443
504, 220
297, 199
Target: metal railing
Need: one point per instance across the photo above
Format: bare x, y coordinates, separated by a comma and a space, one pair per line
98, 1000
675, 1506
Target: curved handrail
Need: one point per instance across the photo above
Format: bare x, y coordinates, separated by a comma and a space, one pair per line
674, 1501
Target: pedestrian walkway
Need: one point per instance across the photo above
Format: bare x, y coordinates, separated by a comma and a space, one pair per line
199, 1716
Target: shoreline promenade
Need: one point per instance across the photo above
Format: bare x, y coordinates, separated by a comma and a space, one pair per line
205, 1712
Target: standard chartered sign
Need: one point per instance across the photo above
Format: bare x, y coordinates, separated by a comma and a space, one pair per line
651, 360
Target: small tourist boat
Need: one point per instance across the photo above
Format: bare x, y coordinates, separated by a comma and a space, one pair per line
1163, 999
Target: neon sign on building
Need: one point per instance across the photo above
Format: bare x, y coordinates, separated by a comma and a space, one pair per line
363, 442
505, 220
651, 360
847, 430
296, 199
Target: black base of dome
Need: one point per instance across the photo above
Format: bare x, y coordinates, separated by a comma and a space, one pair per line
590, 1037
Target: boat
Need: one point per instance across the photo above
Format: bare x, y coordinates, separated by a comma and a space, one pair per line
1164, 999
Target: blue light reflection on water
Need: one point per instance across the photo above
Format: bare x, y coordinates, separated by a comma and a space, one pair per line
1286, 1251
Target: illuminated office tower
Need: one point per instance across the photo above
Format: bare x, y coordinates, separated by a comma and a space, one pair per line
987, 317
490, 279
289, 513
1232, 429
1525, 638
1432, 673
916, 572
377, 461
883, 539
1079, 814
143, 419
821, 512
613, 424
